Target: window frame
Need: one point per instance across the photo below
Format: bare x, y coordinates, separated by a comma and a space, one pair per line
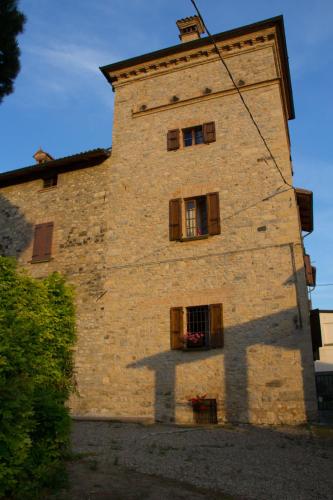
196, 211
205, 411
193, 130
207, 333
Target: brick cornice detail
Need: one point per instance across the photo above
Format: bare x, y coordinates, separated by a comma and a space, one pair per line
150, 69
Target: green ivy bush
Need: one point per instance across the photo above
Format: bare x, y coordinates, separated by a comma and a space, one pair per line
37, 335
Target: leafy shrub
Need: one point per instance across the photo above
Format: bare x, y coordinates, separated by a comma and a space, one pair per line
37, 334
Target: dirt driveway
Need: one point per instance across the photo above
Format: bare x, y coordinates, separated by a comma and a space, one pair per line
130, 461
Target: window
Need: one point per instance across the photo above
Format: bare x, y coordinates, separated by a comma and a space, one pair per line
196, 217
204, 410
199, 134
201, 215
203, 329
197, 331
50, 181
42, 247
193, 136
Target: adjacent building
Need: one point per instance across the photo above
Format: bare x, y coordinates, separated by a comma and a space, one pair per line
184, 242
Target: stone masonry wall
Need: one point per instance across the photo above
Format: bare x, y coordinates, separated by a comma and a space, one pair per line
111, 240
77, 206
264, 374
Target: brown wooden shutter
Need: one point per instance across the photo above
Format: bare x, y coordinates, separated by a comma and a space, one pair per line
175, 219
213, 210
173, 140
176, 328
304, 200
42, 242
209, 133
314, 275
216, 325
310, 271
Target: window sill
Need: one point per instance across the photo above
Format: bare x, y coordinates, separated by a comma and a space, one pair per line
191, 146
191, 349
47, 189
40, 261
193, 238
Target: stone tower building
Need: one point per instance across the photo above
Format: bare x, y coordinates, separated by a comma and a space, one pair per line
184, 244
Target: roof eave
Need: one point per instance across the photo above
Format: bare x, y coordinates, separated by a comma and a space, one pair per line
60, 165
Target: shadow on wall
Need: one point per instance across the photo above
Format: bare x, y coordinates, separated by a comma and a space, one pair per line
16, 232
256, 355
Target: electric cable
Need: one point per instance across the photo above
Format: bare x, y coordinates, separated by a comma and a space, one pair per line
240, 94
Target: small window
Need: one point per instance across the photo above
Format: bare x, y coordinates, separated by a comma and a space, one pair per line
204, 410
197, 320
200, 134
50, 181
193, 136
196, 217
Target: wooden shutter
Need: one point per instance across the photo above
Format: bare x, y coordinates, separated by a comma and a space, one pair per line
216, 325
304, 200
209, 133
176, 328
175, 219
310, 271
173, 140
42, 242
213, 211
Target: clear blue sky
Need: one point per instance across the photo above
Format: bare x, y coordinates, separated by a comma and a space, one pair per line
64, 104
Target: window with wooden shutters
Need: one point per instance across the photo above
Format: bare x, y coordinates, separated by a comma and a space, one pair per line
173, 140
176, 328
175, 219
198, 134
209, 134
42, 248
204, 327
201, 216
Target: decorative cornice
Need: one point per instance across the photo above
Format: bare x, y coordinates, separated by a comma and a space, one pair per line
163, 65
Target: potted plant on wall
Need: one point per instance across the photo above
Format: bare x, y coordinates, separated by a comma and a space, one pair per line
204, 409
193, 340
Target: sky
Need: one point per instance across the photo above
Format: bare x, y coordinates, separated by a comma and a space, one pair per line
64, 104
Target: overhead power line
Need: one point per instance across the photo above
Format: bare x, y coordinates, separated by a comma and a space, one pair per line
240, 94
325, 284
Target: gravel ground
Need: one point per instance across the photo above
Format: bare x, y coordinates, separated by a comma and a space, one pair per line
202, 462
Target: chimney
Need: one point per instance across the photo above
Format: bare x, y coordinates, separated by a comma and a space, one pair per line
190, 28
42, 157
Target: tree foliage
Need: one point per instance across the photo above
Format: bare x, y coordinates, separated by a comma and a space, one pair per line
11, 25
37, 335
